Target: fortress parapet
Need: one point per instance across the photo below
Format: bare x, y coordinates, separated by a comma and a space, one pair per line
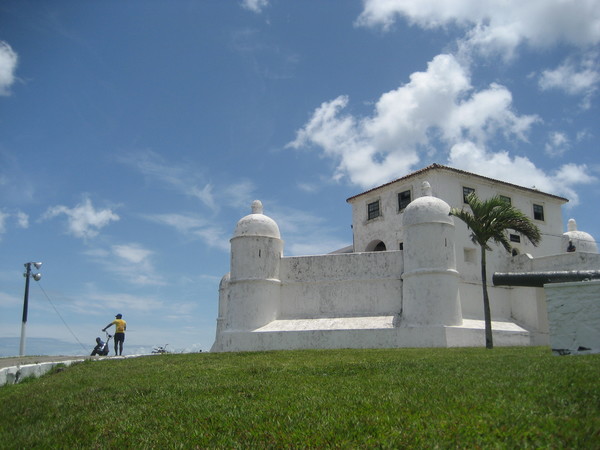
539, 279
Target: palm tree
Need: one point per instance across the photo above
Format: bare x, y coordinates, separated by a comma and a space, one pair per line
490, 219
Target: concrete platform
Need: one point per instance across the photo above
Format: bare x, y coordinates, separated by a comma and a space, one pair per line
367, 332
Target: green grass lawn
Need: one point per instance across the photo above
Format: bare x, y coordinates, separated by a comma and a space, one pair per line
505, 397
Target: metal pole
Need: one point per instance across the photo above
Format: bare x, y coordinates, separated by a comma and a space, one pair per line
25, 303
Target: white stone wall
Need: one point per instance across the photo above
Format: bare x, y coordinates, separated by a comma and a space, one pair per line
574, 317
563, 261
471, 298
341, 285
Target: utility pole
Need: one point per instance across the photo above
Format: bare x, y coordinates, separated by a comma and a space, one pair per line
36, 277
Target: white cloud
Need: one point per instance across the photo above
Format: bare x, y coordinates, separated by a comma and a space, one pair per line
342, 139
131, 262
182, 178
255, 5
188, 180
84, 221
132, 253
558, 143
181, 222
305, 233
3, 217
485, 113
204, 194
584, 135
496, 25
8, 300
194, 226
21, 218
438, 104
309, 188
240, 194
502, 166
96, 302
213, 237
8, 65
568, 78
437, 108
574, 78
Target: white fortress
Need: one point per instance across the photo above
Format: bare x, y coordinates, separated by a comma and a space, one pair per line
411, 279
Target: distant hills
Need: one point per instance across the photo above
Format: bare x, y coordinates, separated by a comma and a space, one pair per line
9, 346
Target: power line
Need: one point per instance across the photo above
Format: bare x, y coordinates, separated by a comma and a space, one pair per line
61, 318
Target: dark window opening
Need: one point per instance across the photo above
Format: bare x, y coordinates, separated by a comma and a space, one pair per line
373, 210
403, 200
401, 245
538, 212
466, 192
515, 238
506, 199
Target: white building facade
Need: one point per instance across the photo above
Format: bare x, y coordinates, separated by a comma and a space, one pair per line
411, 279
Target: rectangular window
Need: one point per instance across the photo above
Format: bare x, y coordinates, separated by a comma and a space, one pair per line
469, 255
373, 210
538, 212
515, 238
401, 246
466, 192
506, 199
403, 200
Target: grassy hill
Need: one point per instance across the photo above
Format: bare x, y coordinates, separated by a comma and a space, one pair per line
506, 397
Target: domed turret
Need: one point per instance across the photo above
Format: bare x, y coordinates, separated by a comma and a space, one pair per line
254, 285
223, 303
430, 280
427, 209
257, 224
578, 241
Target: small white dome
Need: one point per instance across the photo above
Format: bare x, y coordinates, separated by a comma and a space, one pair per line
583, 242
225, 280
427, 209
257, 224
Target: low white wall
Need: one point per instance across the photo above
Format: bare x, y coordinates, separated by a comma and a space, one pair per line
562, 261
15, 374
471, 298
574, 317
341, 285
12, 375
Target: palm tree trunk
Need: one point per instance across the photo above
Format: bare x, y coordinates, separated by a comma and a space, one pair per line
487, 315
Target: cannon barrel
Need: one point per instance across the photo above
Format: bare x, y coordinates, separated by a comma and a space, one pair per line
538, 279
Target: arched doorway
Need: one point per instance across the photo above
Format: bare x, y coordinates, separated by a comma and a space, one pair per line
376, 246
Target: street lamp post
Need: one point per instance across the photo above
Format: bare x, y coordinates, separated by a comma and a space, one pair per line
36, 277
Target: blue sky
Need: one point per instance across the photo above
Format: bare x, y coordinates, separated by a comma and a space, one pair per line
134, 135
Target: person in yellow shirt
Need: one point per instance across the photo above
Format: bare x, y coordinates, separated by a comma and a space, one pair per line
120, 327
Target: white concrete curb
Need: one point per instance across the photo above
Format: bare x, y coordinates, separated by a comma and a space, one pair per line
15, 374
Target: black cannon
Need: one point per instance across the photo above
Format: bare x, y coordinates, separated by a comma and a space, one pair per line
538, 279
